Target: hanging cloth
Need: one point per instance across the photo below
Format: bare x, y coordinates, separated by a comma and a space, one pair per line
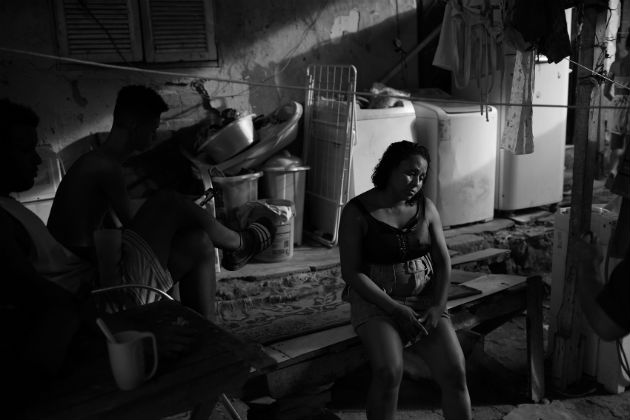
470, 44
517, 134
539, 25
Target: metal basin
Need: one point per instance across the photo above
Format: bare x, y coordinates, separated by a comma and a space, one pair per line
271, 139
229, 140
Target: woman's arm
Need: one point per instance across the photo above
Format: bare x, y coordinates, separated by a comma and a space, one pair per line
441, 265
350, 246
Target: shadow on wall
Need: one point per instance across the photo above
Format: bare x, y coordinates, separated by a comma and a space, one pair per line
162, 166
371, 50
69, 154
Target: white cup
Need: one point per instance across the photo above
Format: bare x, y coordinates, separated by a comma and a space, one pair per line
127, 360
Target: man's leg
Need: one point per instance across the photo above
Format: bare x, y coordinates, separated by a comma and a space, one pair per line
167, 213
182, 236
191, 264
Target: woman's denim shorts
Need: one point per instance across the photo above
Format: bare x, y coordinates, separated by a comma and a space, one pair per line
408, 283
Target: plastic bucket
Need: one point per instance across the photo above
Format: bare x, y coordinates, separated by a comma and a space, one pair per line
235, 191
288, 184
281, 248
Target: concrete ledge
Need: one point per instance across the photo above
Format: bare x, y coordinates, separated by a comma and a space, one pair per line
305, 259
488, 255
499, 246
281, 287
478, 228
466, 243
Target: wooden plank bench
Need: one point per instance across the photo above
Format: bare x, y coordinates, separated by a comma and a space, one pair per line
321, 357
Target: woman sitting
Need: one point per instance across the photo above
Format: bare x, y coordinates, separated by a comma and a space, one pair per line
397, 270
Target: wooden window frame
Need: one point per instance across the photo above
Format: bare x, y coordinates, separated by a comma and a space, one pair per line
141, 47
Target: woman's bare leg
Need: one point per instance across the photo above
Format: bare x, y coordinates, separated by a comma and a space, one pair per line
443, 354
384, 349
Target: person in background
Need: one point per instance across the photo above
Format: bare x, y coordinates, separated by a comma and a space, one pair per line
606, 305
397, 269
39, 305
93, 193
46, 301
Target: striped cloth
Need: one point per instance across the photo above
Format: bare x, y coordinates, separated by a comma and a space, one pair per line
139, 265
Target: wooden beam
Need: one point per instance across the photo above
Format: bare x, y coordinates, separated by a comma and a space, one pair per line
535, 347
567, 363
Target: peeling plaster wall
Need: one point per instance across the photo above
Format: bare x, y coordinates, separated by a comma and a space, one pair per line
266, 41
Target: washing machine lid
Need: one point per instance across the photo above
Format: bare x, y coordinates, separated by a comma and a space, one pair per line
455, 107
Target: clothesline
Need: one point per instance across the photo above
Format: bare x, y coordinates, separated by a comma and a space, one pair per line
291, 87
593, 72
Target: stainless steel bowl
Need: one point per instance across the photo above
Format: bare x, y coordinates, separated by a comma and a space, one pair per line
229, 140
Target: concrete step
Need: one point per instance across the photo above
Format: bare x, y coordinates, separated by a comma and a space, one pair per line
488, 255
477, 247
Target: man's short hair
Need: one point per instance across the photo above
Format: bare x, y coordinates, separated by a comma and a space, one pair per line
137, 102
12, 114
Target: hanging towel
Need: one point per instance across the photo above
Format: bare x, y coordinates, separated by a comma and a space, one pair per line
517, 134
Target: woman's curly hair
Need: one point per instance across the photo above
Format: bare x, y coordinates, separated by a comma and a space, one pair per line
396, 153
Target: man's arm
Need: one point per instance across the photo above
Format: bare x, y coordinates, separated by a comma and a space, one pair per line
111, 181
44, 316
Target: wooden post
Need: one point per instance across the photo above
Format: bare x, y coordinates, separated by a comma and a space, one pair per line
567, 361
535, 350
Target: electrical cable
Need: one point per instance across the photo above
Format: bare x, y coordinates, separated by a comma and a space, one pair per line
281, 86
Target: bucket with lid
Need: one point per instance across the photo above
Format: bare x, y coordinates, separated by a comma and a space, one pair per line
234, 192
285, 178
281, 248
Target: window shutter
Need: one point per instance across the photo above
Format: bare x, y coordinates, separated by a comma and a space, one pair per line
180, 30
99, 30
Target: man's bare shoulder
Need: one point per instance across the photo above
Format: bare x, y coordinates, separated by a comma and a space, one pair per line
95, 163
14, 234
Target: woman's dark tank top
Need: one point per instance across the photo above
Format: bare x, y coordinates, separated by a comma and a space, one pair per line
385, 244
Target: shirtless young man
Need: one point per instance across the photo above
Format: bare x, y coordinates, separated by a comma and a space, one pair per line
94, 188
45, 298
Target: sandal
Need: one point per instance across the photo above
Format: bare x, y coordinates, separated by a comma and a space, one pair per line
255, 238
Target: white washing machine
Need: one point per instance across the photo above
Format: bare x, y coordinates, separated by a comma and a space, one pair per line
462, 145
534, 179
376, 129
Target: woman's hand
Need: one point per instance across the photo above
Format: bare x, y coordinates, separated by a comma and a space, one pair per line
432, 316
407, 320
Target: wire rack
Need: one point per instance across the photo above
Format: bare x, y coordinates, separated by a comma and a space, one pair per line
330, 127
